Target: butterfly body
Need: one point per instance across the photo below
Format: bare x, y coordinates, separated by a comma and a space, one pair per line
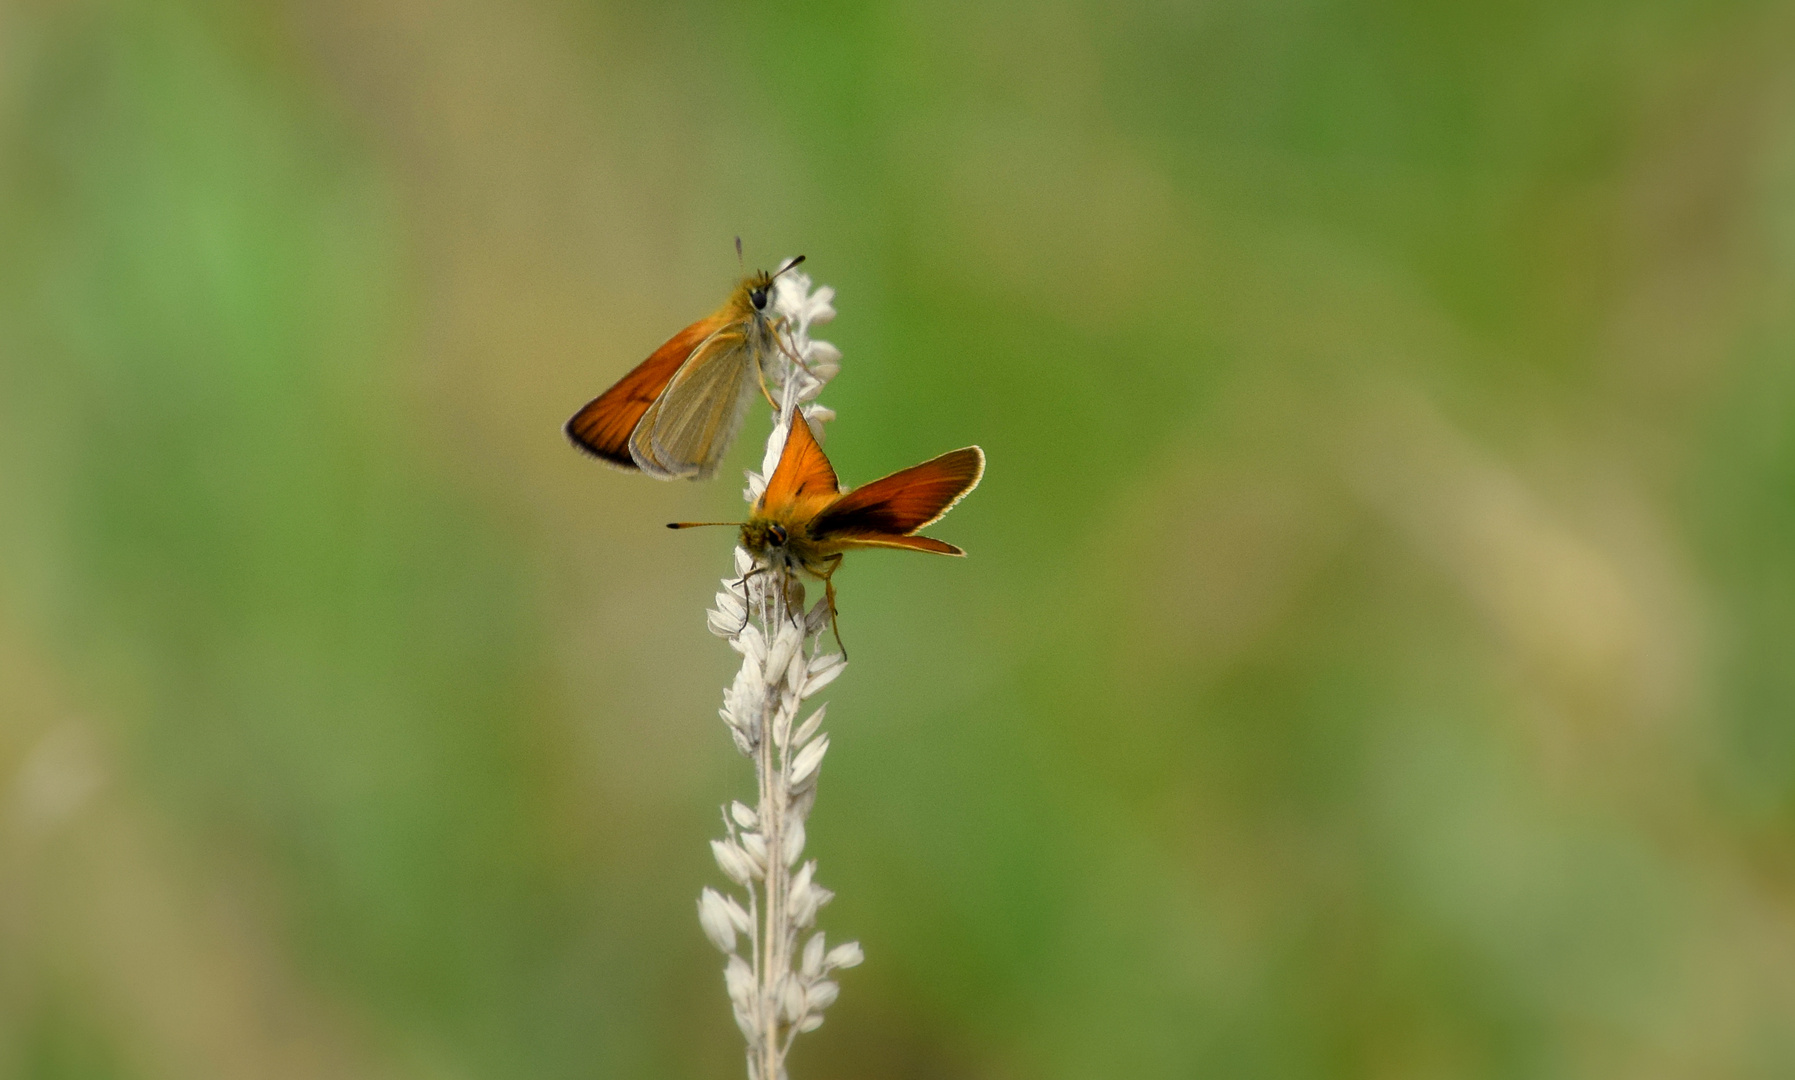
675, 414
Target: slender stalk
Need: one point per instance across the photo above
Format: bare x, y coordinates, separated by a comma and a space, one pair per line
772, 816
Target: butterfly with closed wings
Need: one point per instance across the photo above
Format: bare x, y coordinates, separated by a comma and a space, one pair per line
675, 414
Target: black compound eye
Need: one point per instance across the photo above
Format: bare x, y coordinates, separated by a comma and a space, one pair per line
759, 299
777, 532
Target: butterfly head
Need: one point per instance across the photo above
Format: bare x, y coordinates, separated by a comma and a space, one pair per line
765, 539
760, 287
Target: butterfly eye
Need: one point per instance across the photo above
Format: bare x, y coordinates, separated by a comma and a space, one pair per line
777, 532
759, 299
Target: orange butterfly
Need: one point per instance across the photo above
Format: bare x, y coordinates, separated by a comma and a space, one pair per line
675, 415
804, 521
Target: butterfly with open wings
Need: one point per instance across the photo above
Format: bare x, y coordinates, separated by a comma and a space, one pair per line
804, 521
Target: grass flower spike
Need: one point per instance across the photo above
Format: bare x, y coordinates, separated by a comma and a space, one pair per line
779, 967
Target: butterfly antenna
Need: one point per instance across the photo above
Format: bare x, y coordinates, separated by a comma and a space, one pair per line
789, 265
738, 249
700, 524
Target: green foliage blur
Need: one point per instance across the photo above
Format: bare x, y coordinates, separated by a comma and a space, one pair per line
1377, 652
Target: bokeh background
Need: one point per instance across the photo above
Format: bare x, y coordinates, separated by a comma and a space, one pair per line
1377, 654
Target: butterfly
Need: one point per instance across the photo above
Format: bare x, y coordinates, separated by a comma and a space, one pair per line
675, 415
804, 521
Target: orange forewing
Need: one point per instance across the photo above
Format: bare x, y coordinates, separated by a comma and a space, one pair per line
905, 501
603, 427
885, 513
804, 482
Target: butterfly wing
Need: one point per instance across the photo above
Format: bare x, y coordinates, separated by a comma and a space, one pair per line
603, 427
886, 512
803, 481
688, 429
912, 543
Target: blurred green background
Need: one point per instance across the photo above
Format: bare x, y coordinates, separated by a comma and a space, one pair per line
1377, 654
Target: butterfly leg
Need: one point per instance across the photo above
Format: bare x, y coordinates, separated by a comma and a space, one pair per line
829, 595
760, 374
786, 350
796, 611
791, 595
747, 599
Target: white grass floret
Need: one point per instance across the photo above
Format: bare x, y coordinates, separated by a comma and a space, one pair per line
735, 863
792, 841
744, 815
843, 956
738, 979
813, 955
713, 915
811, 725
809, 760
